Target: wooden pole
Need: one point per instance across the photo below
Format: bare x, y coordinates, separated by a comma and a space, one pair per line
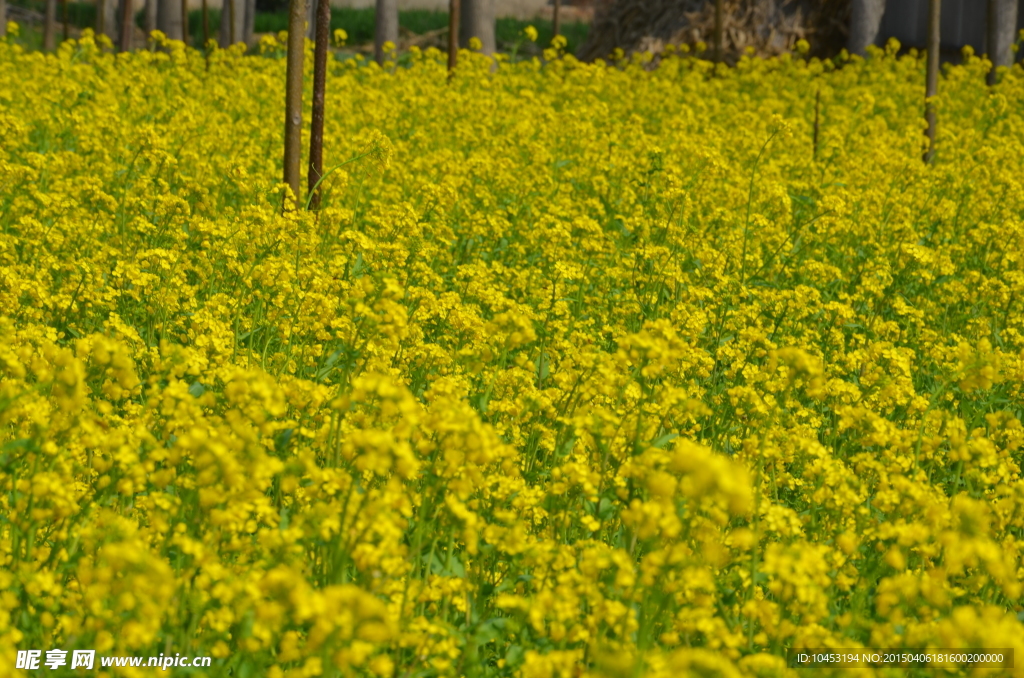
293, 100
932, 77
316, 131
817, 118
127, 25
556, 19
454, 9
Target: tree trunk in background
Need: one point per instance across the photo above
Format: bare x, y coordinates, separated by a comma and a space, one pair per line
127, 25
50, 26
168, 18
293, 100
556, 19
478, 22
184, 23
316, 126
150, 20
232, 22
1002, 29
387, 27
865, 20
3, 18
249, 25
932, 76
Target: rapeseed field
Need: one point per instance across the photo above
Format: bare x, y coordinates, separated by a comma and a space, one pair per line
583, 370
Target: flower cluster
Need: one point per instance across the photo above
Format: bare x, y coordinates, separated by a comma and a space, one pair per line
583, 370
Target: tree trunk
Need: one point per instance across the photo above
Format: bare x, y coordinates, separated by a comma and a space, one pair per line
453, 35
556, 19
232, 22
316, 127
150, 19
387, 27
249, 25
3, 18
865, 20
110, 8
168, 18
50, 26
1002, 28
127, 25
184, 22
293, 100
932, 78
478, 22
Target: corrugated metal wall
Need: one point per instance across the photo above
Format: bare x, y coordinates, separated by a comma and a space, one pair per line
963, 23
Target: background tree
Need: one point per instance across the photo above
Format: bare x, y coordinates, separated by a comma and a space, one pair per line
150, 17
865, 20
106, 19
1002, 27
50, 25
386, 27
232, 22
168, 18
556, 19
477, 21
249, 29
316, 127
293, 100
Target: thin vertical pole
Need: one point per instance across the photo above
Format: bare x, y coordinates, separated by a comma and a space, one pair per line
556, 19
316, 131
817, 118
453, 35
932, 78
126, 25
293, 100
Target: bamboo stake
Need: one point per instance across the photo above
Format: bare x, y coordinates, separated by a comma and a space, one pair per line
817, 118
316, 132
932, 78
293, 100
126, 25
453, 35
